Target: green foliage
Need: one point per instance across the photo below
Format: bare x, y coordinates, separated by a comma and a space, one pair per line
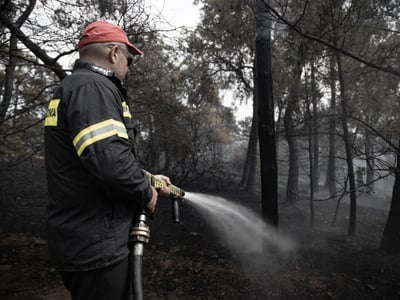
177, 111
225, 40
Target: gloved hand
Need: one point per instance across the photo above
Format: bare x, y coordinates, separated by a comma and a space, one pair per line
163, 192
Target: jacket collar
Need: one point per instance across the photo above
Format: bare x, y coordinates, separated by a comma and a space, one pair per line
81, 64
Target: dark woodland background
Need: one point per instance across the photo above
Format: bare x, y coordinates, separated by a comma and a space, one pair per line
318, 159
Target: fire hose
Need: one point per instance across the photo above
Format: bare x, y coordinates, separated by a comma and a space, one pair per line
140, 233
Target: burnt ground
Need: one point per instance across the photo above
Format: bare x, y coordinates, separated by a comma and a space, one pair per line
189, 261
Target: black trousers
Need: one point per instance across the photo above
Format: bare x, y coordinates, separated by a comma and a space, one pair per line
113, 282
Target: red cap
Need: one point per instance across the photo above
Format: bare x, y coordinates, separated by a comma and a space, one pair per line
102, 32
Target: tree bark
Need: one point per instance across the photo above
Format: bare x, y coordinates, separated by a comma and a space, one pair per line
266, 124
8, 80
349, 153
314, 130
12, 62
39, 52
249, 172
311, 160
391, 235
370, 161
331, 172
293, 173
252, 149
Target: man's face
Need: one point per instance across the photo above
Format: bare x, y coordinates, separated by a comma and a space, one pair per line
124, 60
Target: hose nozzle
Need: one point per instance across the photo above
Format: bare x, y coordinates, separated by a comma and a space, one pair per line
159, 184
176, 193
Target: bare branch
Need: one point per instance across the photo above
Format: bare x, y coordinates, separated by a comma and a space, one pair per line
275, 13
39, 52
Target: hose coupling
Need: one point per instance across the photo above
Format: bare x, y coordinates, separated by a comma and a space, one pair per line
140, 231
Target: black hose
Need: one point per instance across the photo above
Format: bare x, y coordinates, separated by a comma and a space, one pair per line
138, 236
137, 277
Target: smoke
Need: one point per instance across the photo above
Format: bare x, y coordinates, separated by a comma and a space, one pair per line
244, 232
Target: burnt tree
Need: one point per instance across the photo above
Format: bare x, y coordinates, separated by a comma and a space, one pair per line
266, 124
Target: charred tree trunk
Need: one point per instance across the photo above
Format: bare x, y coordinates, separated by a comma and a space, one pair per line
349, 153
331, 173
370, 161
266, 124
250, 184
314, 118
8, 80
293, 173
391, 235
311, 159
249, 172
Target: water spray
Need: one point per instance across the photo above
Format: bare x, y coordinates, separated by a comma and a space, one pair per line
242, 229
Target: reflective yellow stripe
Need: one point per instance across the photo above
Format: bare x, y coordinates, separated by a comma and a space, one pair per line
98, 132
126, 112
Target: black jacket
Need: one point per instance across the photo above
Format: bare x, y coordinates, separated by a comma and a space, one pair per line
95, 185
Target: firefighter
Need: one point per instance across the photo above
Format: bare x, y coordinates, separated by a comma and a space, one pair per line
95, 184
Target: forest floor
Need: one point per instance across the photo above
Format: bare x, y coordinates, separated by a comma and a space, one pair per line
189, 261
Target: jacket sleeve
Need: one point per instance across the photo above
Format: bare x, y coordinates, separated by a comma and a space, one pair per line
101, 141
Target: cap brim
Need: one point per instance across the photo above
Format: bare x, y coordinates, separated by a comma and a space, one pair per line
134, 50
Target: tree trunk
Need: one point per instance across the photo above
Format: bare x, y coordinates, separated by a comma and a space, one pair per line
9, 72
311, 160
14, 27
349, 155
252, 149
293, 173
331, 173
370, 161
314, 130
391, 235
249, 172
8, 80
266, 124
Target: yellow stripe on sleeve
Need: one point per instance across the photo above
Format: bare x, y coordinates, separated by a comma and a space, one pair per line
98, 132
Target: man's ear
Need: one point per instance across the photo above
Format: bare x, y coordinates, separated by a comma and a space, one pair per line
113, 55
